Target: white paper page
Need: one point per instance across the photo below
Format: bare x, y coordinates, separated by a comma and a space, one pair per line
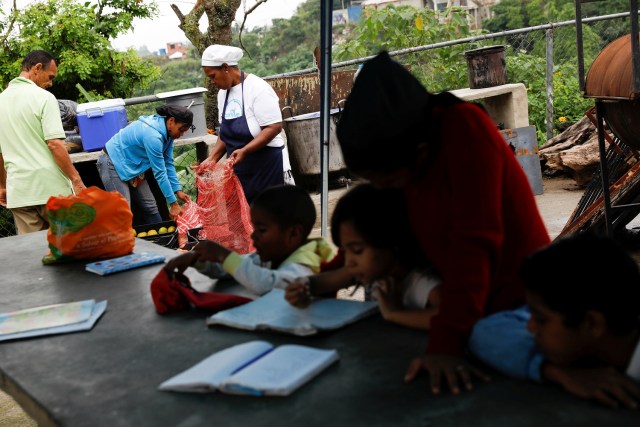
45, 317
207, 375
249, 316
332, 313
280, 372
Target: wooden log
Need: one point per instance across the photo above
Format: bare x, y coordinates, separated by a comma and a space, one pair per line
574, 152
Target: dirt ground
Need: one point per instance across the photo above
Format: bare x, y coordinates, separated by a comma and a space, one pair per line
559, 199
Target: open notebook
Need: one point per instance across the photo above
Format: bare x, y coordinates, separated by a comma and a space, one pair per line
255, 368
272, 311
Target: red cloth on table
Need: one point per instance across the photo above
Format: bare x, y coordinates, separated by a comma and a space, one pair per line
171, 294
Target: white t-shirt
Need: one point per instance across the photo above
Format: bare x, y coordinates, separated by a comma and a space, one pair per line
416, 287
633, 370
261, 108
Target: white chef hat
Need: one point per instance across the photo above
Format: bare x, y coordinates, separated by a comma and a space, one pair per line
218, 54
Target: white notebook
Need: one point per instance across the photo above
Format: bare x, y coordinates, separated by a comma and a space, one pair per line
272, 311
255, 368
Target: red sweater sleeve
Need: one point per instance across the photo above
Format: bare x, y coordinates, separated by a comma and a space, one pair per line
475, 217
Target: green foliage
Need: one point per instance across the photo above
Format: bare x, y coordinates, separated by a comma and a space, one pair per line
515, 14
567, 102
287, 45
394, 28
77, 34
527, 61
184, 158
178, 74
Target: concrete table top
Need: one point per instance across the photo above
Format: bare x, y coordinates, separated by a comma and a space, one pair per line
109, 375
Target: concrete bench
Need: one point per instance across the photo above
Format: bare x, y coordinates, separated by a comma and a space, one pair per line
506, 104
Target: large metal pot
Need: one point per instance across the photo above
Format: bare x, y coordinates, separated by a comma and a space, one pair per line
610, 80
303, 142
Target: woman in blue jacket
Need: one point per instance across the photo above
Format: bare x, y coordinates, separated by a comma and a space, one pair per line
146, 144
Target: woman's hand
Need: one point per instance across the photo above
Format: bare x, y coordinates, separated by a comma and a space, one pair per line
298, 292
174, 210
180, 263
238, 155
206, 164
453, 369
183, 196
214, 157
207, 250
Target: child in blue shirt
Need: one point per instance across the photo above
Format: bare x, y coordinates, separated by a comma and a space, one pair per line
581, 326
282, 217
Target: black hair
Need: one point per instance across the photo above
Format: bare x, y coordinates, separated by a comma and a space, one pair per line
179, 113
380, 217
288, 205
585, 272
386, 104
36, 57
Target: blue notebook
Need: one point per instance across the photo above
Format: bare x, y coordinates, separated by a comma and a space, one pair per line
123, 263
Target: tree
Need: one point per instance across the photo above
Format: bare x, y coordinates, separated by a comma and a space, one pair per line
78, 36
285, 46
220, 15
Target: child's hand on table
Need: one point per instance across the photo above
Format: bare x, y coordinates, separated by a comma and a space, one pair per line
180, 263
605, 384
298, 292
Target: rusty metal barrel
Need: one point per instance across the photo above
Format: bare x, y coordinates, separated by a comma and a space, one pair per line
486, 67
610, 80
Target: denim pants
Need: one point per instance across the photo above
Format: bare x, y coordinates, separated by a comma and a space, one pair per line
141, 195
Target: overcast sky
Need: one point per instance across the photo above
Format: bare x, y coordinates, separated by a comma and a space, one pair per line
156, 33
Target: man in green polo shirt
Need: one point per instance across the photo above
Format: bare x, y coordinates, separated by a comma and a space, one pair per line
34, 163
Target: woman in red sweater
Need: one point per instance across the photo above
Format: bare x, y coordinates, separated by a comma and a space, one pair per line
470, 204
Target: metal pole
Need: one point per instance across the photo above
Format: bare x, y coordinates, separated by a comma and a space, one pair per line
604, 169
549, 36
579, 44
325, 105
635, 47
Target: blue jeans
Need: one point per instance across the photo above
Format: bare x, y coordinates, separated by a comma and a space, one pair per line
140, 195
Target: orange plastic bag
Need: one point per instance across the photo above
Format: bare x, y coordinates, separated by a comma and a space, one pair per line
92, 224
222, 207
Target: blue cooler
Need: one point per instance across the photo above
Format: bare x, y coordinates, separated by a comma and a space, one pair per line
99, 121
